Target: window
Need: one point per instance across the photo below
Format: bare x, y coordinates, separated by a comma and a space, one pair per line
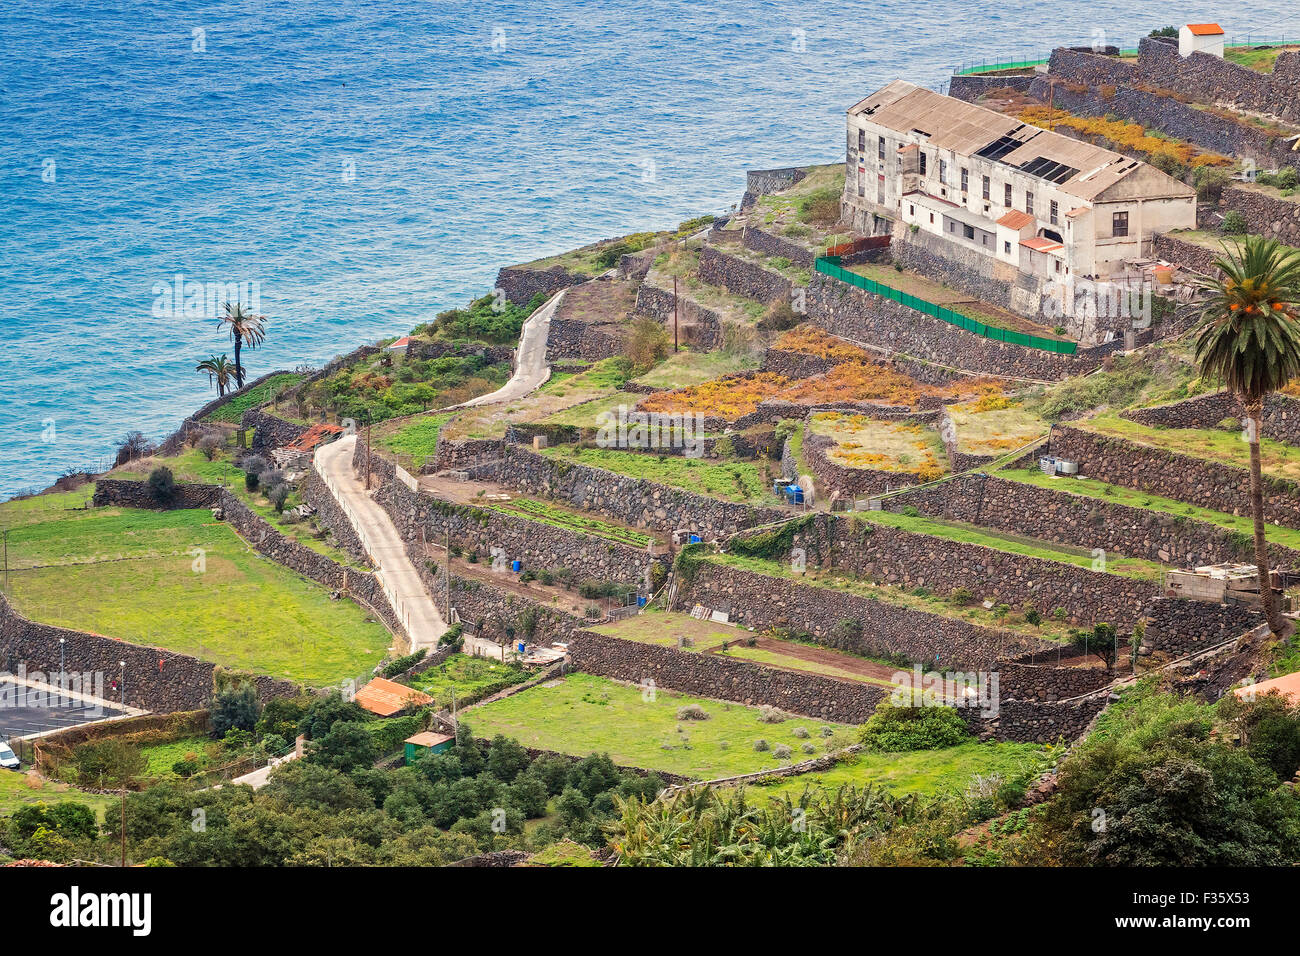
1058, 265
911, 210
932, 219
943, 170
862, 141
1119, 224
1006, 247
1053, 212
986, 187
1006, 196
922, 162
1029, 202
952, 226
968, 231
862, 182
880, 149
965, 179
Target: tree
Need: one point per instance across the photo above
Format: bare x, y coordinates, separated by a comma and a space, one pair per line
1248, 340
245, 329
348, 746
647, 344
235, 707
162, 484
220, 371
1101, 641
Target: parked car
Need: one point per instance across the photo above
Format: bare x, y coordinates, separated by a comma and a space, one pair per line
8, 760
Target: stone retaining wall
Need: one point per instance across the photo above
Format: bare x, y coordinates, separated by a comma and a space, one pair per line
1179, 626
887, 630
589, 341
271, 430
1216, 80
862, 316
1034, 721
769, 244
1188, 255
1266, 215
971, 88
1280, 421
760, 182
724, 678
155, 679
839, 480
742, 277
634, 501
1083, 521
1196, 481
908, 559
491, 354
193, 423
520, 284
697, 325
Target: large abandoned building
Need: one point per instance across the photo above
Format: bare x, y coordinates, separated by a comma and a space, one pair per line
1005, 197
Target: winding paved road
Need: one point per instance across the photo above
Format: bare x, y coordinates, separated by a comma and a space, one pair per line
531, 369
379, 536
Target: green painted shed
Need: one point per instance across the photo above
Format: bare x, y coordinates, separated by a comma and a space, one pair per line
426, 742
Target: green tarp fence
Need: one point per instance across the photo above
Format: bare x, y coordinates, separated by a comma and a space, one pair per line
830, 266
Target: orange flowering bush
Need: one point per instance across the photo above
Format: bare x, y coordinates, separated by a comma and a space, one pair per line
1123, 133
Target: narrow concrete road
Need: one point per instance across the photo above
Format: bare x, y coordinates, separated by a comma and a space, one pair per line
531, 369
379, 536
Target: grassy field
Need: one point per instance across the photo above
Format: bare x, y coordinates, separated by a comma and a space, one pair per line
559, 393
1276, 458
691, 368
1015, 544
417, 440
1120, 495
192, 466
739, 481
161, 757
994, 430
927, 772
1257, 58
468, 678
132, 575
583, 714
234, 409
20, 789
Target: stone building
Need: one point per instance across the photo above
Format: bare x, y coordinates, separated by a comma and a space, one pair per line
1022, 203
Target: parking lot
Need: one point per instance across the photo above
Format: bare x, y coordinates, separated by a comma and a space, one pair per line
28, 707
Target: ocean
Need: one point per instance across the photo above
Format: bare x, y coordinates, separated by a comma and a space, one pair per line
364, 164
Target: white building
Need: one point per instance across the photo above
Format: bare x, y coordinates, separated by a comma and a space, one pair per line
1200, 38
1011, 200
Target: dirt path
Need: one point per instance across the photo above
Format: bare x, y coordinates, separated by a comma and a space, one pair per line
818, 655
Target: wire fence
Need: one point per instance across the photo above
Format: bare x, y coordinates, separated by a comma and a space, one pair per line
1027, 60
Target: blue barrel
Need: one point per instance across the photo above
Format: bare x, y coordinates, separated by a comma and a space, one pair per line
640, 600
516, 565
521, 647
695, 539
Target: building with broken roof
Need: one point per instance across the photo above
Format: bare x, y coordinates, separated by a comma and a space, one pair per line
1025, 204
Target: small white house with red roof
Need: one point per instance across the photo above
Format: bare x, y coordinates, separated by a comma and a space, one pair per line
1200, 38
400, 345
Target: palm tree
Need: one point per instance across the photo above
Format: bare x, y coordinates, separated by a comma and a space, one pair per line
245, 329
219, 370
1248, 340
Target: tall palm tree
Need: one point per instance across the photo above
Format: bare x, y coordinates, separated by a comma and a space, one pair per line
1248, 340
219, 370
245, 329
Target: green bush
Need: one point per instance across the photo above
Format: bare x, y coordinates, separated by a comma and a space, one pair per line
405, 663
1234, 224
895, 728
162, 485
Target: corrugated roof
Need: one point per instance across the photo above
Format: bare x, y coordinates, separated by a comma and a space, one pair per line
1016, 219
949, 123
386, 698
316, 435
1205, 29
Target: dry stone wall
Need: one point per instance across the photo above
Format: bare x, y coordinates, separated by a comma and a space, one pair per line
1280, 422
697, 325
723, 678
1179, 626
769, 244
1266, 215
271, 430
1196, 481
1188, 255
742, 277
520, 284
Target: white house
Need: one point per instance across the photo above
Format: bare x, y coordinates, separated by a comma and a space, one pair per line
1003, 197
1200, 38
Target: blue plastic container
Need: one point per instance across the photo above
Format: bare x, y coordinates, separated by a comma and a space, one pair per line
640, 600
695, 539
516, 565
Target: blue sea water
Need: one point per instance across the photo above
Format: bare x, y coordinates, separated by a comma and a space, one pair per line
369, 163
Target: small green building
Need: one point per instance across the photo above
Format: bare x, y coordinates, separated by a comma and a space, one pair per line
426, 742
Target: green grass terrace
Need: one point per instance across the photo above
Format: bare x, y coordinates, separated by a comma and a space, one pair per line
743, 482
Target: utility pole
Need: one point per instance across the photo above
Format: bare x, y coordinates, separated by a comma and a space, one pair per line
368, 418
447, 583
675, 310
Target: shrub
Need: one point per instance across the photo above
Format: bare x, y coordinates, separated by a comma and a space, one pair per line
185, 768
808, 748
692, 712
253, 466
278, 495
407, 662
1234, 223
1210, 182
1283, 179
894, 728
781, 751
961, 596
162, 485
761, 745
801, 733
209, 445
647, 345
770, 715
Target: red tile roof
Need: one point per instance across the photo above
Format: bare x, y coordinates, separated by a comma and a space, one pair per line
401, 343
386, 698
1205, 29
1287, 686
1042, 244
1016, 219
